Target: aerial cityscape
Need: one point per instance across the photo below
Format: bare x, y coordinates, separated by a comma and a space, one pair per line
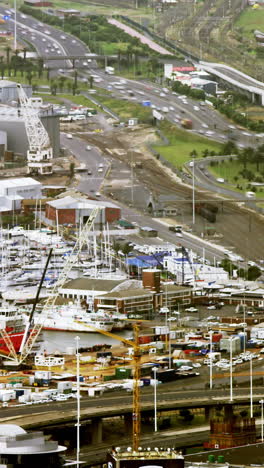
131, 241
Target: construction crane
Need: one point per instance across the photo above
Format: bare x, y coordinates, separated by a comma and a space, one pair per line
185, 254
136, 417
33, 328
40, 152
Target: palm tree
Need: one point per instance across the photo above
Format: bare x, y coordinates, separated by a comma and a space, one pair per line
8, 50
258, 158
40, 66
29, 77
24, 53
75, 78
54, 87
48, 73
74, 89
2, 70
91, 80
61, 80
246, 156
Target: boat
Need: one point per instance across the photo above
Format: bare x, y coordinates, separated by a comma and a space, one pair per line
72, 317
13, 322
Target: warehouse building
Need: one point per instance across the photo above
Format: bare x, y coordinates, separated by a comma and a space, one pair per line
70, 210
12, 123
8, 91
13, 191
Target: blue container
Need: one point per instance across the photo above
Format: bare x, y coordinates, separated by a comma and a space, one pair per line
145, 381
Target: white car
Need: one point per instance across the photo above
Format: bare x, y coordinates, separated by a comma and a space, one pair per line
69, 136
88, 148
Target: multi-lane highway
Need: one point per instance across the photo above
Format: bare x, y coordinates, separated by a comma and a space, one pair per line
49, 41
121, 401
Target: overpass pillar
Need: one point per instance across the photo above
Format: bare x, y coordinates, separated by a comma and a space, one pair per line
73, 63
208, 413
128, 423
97, 430
228, 411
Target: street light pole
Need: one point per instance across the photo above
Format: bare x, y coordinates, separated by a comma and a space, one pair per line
15, 25
251, 389
193, 197
231, 369
211, 359
262, 422
132, 178
155, 400
77, 339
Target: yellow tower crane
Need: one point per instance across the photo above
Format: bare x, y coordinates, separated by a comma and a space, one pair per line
136, 379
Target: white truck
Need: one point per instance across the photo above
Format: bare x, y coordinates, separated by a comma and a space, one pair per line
109, 70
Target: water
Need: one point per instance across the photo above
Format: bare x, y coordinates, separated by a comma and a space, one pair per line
60, 341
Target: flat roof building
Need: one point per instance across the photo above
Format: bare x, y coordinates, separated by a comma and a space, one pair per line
19, 448
13, 191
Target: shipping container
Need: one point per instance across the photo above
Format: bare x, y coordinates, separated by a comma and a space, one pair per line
123, 373
164, 375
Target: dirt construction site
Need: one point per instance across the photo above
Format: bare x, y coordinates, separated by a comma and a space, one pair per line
133, 167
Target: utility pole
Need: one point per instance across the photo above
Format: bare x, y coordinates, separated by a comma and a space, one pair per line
15, 25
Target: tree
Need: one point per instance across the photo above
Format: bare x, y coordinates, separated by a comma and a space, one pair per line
258, 158
24, 53
8, 50
72, 168
91, 80
48, 73
244, 157
193, 154
29, 77
2, 70
75, 78
53, 87
61, 81
126, 249
40, 66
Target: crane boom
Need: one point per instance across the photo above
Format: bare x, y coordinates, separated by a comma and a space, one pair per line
40, 152
136, 418
50, 301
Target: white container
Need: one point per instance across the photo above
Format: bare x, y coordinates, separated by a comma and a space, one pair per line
62, 386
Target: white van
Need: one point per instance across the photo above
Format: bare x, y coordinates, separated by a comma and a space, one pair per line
220, 180
250, 195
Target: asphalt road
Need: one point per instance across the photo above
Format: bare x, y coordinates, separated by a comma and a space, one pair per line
206, 121
94, 163
183, 396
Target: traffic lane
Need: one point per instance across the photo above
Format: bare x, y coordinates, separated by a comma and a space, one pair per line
207, 115
96, 165
71, 44
124, 399
92, 158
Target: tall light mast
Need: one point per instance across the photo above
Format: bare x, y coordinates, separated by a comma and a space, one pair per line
40, 152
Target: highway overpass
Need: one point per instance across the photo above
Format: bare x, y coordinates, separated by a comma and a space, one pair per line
237, 80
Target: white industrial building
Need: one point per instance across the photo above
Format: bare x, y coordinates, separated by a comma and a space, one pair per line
257, 332
8, 91
188, 272
19, 448
13, 191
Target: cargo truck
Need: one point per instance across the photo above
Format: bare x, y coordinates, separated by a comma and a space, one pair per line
186, 123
